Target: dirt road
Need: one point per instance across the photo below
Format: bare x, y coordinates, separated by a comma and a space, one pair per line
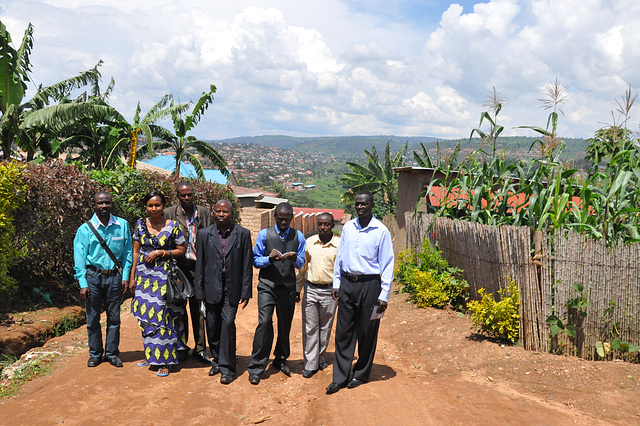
427, 371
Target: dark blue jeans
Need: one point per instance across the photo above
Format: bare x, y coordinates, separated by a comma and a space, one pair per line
107, 288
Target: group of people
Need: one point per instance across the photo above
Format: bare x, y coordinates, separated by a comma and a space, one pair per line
352, 273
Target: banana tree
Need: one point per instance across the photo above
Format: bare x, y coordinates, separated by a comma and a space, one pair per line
377, 177
181, 143
15, 66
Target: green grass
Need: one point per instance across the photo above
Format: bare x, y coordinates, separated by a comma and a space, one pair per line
327, 192
24, 374
40, 367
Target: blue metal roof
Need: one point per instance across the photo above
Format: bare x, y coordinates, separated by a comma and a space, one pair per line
168, 162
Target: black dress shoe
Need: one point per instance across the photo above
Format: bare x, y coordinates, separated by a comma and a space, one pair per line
94, 361
115, 361
183, 356
323, 365
307, 374
225, 379
254, 379
202, 357
333, 388
354, 383
282, 366
214, 370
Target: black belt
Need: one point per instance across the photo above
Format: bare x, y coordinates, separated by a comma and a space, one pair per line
319, 285
362, 277
102, 271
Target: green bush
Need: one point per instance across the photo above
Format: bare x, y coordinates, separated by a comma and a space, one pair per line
497, 319
429, 279
128, 187
11, 196
430, 258
58, 199
405, 263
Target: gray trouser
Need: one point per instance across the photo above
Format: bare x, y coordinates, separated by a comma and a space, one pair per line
318, 309
197, 319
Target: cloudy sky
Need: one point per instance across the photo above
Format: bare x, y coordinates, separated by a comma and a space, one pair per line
345, 67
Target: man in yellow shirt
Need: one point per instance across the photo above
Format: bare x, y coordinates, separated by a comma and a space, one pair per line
318, 305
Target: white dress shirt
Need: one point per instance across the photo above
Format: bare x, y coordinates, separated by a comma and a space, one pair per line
365, 251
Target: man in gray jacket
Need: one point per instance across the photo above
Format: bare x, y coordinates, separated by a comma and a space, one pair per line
191, 218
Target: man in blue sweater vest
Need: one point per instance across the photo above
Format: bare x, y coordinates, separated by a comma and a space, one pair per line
278, 251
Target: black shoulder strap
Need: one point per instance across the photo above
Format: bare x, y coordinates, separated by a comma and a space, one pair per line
104, 245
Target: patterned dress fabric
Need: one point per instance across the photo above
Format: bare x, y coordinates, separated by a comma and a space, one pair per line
162, 323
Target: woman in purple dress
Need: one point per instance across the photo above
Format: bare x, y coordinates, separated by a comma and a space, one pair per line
155, 241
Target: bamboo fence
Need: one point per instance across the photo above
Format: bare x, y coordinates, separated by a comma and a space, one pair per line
493, 256
611, 280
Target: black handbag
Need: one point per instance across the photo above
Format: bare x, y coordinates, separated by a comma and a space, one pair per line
179, 287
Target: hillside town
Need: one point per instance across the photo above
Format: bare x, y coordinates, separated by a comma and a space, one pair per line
253, 164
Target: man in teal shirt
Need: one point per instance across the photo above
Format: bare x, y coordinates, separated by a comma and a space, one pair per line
100, 278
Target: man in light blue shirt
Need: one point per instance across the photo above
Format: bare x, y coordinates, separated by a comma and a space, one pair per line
100, 278
278, 251
362, 277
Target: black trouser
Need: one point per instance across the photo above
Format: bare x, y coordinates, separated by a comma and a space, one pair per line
197, 319
221, 331
355, 305
283, 299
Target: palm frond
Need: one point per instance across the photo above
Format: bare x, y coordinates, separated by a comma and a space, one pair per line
61, 89
197, 165
24, 51
199, 108
209, 152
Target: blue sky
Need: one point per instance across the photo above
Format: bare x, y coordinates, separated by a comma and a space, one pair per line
345, 67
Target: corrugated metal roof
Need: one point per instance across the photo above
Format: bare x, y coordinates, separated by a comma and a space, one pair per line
168, 162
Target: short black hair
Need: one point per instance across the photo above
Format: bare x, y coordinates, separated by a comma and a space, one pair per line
95, 196
184, 184
367, 193
154, 193
223, 200
283, 207
325, 214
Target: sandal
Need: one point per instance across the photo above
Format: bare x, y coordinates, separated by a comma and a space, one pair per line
143, 364
166, 368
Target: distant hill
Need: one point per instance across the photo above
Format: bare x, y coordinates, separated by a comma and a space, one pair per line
354, 146
340, 146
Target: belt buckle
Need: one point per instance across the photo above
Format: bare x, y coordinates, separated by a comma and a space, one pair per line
351, 277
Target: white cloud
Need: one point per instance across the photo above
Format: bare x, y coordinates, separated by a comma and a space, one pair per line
338, 67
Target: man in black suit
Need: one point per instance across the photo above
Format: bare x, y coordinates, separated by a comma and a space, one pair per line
224, 269
191, 218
